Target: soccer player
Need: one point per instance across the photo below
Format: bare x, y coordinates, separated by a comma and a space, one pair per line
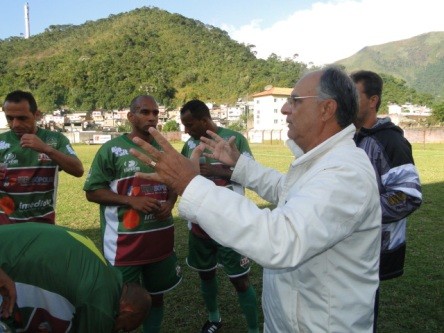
63, 283
135, 215
205, 254
32, 158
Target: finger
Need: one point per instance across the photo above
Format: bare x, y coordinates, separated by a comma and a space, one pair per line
215, 137
151, 207
154, 203
197, 153
144, 158
209, 143
166, 146
145, 146
150, 176
12, 300
232, 142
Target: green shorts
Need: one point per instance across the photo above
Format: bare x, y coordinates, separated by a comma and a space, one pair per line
206, 254
158, 277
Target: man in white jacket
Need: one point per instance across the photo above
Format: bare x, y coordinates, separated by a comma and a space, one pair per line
320, 246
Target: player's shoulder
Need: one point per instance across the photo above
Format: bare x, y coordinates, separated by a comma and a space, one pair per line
113, 145
227, 133
53, 138
5, 135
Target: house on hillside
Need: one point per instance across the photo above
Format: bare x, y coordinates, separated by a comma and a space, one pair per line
408, 114
269, 123
3, 121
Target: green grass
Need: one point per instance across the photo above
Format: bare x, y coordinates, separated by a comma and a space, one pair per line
412, 303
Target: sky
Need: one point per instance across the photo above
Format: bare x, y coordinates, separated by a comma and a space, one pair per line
317, 32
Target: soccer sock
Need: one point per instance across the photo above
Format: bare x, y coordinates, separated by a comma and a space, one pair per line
154, 321
248, 304
208, 289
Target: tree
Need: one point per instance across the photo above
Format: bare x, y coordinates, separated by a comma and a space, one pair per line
238, 125
438, 111
171, 126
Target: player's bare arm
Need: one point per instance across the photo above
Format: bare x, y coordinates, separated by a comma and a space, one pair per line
9, 294
222, 150
69, 164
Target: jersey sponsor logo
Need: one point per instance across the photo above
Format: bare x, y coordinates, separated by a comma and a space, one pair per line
153, 188
119, 152
131, 166
10, 159
36, 204
37, 180
51, 141
149, 217
43, 158
4, 145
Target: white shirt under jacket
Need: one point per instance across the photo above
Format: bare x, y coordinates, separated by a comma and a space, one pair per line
319, 247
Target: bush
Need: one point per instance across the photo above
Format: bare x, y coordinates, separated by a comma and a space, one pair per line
171, 126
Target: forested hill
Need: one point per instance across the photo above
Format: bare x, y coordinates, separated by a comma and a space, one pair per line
104, 63
418, 60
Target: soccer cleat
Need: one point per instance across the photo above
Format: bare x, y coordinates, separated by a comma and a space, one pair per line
211, 326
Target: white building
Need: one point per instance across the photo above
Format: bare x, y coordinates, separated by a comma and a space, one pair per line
3, 121
267, 108
234, 113
409, 109
269, 124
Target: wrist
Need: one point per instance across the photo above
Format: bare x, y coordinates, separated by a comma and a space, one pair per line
48, 150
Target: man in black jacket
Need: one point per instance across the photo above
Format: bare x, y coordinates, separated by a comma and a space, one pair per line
398, 181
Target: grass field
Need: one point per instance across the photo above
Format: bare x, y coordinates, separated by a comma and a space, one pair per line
412, 303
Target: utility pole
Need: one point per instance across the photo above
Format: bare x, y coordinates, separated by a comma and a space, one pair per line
27, 30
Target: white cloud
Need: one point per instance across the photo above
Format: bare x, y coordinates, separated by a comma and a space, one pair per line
331, 31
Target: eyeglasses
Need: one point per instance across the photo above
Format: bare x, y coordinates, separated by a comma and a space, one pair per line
292, 100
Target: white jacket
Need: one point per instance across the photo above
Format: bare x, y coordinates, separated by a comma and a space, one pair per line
319, 247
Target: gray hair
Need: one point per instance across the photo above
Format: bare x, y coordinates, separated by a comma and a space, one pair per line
336, 84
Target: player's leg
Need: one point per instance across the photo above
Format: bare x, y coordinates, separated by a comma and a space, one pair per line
202, 258
159, 278
237, 268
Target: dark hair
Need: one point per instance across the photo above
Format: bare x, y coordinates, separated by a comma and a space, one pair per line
18, 95
371, 82
136, 99
197, 108
336, 84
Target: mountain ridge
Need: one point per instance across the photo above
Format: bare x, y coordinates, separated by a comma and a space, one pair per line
418, 60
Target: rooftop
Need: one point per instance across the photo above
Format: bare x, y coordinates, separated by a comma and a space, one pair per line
274, 91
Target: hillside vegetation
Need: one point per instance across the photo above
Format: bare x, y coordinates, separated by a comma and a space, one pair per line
103, 64
419, 61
